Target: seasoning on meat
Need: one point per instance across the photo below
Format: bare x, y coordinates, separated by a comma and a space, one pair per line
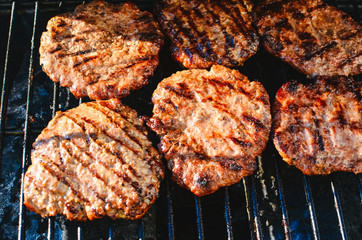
93, 161
209, 32
315, 38
318, 127
101, 50
212, 126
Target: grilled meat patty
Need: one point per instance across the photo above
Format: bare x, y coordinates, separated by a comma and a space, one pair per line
212, 126
318, 127
93, 161
209, 32
101, 50
315, 38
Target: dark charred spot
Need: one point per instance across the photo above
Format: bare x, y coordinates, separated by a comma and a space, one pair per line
58, 48
274, 44
298, 15
292, 87
230, 40
219, 83
241, 142
320, 142
203, 181
273, 6
257, 123
283, 23
311, 51
291, 128
305, 36
292, 107
263, 100
182, 91
74, 209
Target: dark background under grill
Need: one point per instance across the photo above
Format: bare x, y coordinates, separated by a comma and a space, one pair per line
277, 202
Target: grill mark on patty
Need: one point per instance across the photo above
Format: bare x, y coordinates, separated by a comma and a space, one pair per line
318, 135
47, 166
119, 126
117, 154
176, 34
257, 123
93, 171
349, 35
84, 60
200, 38
136, 140
214, 81
227, 39
242, 143
58, 48
309, 55
183, 91
234, 12
93, 136
73, 54
274, 6
122, 112
224, 109
135, 61
348, 60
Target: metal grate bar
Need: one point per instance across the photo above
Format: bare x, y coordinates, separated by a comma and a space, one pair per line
338, 207
252, 207
312, 213
200, 227
50, 233
21, 229
80, 231
110, 232
171, 229
360, 186
285, 217
4, 94
140, 229
228, 215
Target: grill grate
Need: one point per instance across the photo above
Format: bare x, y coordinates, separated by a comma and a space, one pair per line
277, 202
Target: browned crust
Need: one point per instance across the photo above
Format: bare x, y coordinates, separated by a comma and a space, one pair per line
315, 38
204, 33
318, 127
212, 126
93, 161
101, 50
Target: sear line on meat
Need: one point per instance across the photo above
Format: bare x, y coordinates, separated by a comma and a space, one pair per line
315, 38
212, 124
209, 32
93, 161
318, 127
101, 50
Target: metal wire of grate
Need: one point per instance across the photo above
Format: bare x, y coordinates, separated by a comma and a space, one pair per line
295, 210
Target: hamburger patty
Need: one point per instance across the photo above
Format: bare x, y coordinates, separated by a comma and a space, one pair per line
93, 161
318, 127
209, 32
101, 50
315, 38
212, 126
